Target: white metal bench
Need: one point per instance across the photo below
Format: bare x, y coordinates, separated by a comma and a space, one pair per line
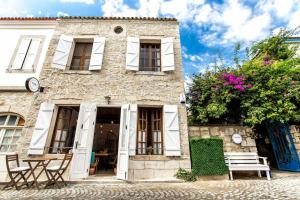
246, 161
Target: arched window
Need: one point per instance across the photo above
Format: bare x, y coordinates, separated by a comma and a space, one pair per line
10, 131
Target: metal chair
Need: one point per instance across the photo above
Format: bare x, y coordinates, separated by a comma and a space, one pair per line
17, 173
57, 171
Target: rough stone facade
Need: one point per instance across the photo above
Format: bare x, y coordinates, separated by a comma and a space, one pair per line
226, 132
13, 102
295, 132
64, 87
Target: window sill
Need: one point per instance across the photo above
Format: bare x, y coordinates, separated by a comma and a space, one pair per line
151, 157
150, 73
21, 71
84, 72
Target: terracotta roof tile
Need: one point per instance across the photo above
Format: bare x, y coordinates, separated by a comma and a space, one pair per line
89, 17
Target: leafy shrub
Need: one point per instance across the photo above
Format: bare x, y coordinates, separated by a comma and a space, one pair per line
207, 156
186, 175
265, 87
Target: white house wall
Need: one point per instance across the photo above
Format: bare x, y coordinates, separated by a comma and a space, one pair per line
10, 32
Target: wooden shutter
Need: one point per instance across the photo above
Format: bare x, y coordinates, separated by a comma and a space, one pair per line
40, 133
167, 54
62, 52
171, 131
21, 53
132, 55
132, 129
97, 53
123, 149
83, 142
31, 56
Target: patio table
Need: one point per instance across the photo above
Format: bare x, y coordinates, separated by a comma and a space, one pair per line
36, 162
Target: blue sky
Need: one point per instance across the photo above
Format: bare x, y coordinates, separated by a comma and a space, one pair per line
209, 29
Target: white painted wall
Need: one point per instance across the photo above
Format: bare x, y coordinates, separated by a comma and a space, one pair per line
10, 32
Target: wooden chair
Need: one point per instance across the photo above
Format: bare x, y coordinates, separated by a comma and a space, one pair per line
57, 171
17, 173
113, 163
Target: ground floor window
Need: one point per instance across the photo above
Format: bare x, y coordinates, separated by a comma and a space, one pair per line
64, 131
149, 134
10, 131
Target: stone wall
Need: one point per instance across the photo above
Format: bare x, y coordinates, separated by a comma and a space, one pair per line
64, 87
17, 102
226, 132
295, 131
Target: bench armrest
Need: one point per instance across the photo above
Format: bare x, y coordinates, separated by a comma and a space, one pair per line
225, 157
264, 159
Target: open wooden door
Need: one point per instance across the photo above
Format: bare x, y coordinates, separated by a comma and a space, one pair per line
123, 150
83, 141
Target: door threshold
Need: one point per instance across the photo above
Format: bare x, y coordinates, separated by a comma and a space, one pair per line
99, 179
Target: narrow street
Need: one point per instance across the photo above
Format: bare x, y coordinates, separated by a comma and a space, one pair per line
279, 188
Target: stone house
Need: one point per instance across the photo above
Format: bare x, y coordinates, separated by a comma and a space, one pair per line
24, 43
111, 90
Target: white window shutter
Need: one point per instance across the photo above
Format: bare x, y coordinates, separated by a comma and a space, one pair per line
62, 52
133, 52
167, 54
171, 131
132, 129
21, 53
32, 53
40, 133
97, 53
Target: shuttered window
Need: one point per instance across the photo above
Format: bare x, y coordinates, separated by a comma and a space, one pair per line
150, 58
81, 56
149, 134
27, 53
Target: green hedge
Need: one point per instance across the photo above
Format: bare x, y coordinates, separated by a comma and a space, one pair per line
207, 156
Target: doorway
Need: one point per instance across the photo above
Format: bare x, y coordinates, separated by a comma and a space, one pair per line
105, 143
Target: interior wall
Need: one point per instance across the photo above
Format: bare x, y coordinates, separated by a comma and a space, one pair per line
106, 137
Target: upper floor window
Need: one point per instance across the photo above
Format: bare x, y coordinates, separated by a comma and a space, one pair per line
81, 56
10, 131
27, 52
150, 57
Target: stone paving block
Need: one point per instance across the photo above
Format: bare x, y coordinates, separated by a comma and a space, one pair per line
134, 164
154, 164
143, 174
172, 164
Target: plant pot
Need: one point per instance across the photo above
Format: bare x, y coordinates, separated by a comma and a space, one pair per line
92, 170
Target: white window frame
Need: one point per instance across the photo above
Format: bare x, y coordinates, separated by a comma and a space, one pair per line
5, 127
36, 60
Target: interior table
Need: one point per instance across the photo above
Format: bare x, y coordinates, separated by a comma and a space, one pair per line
36, 162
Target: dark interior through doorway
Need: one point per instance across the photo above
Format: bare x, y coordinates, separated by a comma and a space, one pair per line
106, 137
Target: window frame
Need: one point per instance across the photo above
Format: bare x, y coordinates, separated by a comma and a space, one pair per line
36, 59
150, 42
5, 127
152, 110
55, 128
88, 39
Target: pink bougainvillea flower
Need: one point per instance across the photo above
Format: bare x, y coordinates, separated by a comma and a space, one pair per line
226, 83
239, 87
249, 86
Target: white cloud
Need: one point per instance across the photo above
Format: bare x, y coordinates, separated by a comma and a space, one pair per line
295, 19
62, 14
216, 23
78, 1
10, 8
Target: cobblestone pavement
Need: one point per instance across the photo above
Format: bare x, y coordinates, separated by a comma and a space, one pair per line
282, 188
